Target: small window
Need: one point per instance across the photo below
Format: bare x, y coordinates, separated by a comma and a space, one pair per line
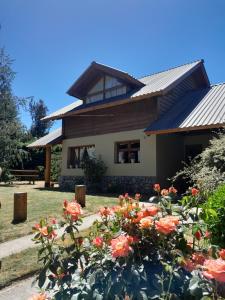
77, 154
127, 152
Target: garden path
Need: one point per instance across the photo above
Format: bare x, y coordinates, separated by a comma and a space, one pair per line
25, 242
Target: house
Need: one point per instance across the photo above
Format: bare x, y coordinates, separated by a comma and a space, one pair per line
141, 128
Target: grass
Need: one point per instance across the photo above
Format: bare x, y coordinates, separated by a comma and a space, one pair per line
24, 264
41, 203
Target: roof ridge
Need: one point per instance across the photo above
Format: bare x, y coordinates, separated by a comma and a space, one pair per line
195, 61
215, 84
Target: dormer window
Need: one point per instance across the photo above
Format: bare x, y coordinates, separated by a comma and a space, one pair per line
106, 87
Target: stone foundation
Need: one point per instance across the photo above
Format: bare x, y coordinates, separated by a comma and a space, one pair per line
111, 184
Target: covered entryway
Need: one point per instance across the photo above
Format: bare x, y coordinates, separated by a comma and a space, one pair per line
46, 142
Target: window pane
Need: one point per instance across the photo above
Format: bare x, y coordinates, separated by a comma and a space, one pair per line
94, 98
111, 82
97, 87
128, 152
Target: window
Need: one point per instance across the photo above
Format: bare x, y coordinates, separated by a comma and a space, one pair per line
127, 152
107, 87
77, 154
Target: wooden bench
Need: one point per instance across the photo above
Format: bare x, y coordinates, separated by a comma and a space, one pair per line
30, 175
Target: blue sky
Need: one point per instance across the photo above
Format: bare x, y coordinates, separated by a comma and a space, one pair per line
53, 41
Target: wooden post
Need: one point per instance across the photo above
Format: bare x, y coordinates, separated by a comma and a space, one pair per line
80, 194
48, 151
20, 207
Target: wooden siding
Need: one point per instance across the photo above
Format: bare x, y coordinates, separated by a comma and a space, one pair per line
190, 83
130, 116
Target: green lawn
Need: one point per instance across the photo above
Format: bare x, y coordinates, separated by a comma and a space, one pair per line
41, 203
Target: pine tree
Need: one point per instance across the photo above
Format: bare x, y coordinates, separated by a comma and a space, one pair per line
11, 129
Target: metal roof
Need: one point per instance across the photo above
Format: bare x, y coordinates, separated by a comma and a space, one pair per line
50, 139
164, 81
155, 84
59, 113
198, 109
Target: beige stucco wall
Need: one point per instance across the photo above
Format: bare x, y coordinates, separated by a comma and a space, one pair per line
105, 145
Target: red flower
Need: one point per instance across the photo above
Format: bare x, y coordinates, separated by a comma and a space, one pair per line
215, 269
222, 253
98, 242
198, 235
194, 192
172, 190
132, 239
156, 187
150, 210
164, 192
120, 246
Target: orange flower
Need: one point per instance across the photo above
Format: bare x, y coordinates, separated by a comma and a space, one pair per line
165, 225
105, 211
156, 187
173, 219
98, 242
150, 210
38, 297
138, 217
172, 190
164, 192
222, 253
146, 223
194, 191
73, 209
120, 246
45, 232
214, 269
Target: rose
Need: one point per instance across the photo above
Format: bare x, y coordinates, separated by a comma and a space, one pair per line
150, 210
73, 209
105, 211
47, 232
194, 192
38, 297
146, 223
198, 235
214, 269
222, 253
156, 187
166, 225
120, 246
173, 219
98, 242
164, 192
137, 197
172, 190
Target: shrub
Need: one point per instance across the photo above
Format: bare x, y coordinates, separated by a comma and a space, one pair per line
207, 170
136, 251
214, 215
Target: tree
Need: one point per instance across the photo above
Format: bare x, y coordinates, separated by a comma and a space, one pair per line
12, 133
39, 110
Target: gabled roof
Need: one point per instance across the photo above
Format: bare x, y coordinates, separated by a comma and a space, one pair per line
204, 108
151, 85
53, 138
163, 82
80, 86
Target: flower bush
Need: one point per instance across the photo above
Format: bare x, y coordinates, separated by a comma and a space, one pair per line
155, 250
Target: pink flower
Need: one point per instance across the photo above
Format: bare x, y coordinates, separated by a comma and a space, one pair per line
105, 211
208, 234
120, 246
53, 221
215, 269
156, 187
172, 190
98, 242
164, 192
137, 197
222, 253
188, 265
146, 223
